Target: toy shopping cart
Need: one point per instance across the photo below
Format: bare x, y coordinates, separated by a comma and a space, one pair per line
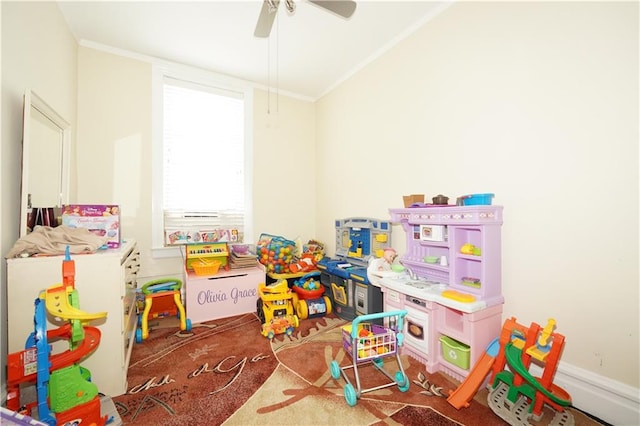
368, 344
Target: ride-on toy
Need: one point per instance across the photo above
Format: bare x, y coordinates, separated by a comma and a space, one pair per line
310, 291
162, 298
274, 308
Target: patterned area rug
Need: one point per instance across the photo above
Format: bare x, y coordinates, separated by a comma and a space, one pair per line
226, 372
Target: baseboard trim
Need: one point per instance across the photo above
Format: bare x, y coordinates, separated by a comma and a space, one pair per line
612, 401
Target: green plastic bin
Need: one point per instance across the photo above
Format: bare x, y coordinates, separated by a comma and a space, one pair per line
455, 352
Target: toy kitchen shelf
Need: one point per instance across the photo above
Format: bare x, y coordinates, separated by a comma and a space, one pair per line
469, 238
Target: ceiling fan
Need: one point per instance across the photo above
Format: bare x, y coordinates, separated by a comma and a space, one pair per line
344, 8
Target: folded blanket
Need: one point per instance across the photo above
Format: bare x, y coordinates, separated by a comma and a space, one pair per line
48, 240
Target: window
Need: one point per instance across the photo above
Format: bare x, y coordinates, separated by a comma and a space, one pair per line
201, 160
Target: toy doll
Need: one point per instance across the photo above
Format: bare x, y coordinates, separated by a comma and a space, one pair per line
388, 256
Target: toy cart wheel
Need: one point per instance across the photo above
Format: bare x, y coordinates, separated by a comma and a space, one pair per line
335, 370
402, 381
379, 362
260, 311
188, 321
270, 335
294, 301
350, 395
289, 331
138, 336
327, 303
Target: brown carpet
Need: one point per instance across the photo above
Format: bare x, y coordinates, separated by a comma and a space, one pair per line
225, 372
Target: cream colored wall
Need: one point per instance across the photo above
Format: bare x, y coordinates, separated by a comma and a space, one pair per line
114, 134
39, 53
536, 102
115, 149
284, 167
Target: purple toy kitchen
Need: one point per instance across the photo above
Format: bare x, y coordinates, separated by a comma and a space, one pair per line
451, 283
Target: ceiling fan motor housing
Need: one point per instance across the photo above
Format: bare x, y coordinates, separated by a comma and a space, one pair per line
343, 8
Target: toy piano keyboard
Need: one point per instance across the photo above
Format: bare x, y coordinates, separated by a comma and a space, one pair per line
206, 253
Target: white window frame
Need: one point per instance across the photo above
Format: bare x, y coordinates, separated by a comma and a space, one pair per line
159, 72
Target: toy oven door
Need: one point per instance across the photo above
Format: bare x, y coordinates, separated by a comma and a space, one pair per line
416, 330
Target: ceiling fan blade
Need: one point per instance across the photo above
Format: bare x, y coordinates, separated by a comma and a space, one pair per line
344, 8
266, 18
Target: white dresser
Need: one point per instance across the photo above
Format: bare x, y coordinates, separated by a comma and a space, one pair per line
106, 281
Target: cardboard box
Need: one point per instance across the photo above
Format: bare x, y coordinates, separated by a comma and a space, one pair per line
101, 219
408, 200
194, 236
181, 236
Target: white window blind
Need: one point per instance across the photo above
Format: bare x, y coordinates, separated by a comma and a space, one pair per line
203, 158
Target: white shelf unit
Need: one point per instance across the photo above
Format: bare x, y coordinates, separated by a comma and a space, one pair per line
106, 281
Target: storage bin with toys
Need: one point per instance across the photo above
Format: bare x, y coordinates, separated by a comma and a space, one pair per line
284, 257
275, 253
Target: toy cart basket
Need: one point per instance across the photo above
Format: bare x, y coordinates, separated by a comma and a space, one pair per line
372, 341
367, 344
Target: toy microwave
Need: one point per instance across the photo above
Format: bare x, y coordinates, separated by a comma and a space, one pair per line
433, 232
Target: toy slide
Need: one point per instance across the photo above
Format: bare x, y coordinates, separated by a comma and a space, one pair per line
58, 361
460, 397
57, 303
555, 393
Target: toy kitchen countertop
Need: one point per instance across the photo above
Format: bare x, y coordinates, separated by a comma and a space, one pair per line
430, 291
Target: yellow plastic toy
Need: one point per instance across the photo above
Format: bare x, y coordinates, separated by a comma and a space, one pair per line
543, 344
274, 308
162, 298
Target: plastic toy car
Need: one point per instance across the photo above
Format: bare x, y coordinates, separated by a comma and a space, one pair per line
279, 325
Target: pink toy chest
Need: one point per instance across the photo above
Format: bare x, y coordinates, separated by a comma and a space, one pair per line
222, 295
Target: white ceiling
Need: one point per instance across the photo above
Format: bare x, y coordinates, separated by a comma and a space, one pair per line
309, 52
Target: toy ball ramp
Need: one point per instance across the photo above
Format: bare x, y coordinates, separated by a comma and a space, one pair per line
519, 412
554, 393
21, 364
57, 303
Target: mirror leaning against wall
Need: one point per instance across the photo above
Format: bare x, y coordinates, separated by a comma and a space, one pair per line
45, 163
